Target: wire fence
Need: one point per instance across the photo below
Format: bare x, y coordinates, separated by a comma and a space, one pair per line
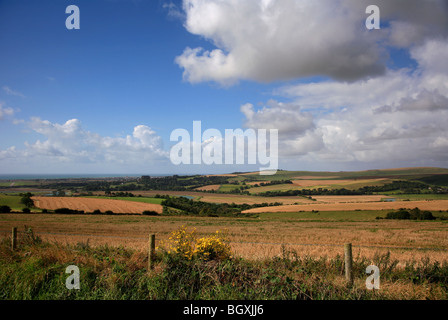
239, 242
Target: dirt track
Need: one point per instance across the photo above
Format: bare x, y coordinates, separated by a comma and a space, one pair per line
91, 204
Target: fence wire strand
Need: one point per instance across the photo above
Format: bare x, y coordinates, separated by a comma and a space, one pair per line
238, 242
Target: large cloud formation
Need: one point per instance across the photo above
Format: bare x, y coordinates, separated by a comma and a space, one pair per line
70, 144
367, 110
267, 40
399, 116
297, 133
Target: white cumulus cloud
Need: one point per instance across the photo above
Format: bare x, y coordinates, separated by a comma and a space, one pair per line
399, 116
288, 39
70, 145
297, 132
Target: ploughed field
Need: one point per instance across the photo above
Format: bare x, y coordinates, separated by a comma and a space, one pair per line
91, 204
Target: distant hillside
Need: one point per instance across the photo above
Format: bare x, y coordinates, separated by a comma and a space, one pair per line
429, 175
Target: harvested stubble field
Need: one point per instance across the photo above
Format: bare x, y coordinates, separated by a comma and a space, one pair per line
347, 183
91, 204
210, 187
253, 238
431, 205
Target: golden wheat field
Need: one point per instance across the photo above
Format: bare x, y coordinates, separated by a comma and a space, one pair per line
432, 205
341, 183
91, 204
253, 238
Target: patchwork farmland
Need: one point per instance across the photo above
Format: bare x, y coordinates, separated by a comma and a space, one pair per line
262, 221
267, 226
92, 204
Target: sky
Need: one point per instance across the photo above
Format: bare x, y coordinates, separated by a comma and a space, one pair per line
105, 98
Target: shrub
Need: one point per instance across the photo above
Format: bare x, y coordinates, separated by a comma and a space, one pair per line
5, 209
26, 210
185, 244
414, 214
401, 214
62, 210
181, 242
427, 215
150, 213
109, 212
213, 247
97, 211
68, 211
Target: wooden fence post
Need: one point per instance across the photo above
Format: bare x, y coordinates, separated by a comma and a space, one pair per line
152, 250
348, 263
14, 238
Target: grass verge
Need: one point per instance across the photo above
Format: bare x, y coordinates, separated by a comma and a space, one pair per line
36, 270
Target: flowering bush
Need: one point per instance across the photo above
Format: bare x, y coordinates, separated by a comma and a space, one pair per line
186, 244
181, 242
213, 247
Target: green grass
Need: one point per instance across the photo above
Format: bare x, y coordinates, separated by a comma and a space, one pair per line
405, 174
228, 187
422, 196
4, 184
11, 201
19, 183
438, 180
276, 187
36, 271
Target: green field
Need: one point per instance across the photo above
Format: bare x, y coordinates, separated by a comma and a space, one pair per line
228, 187
11, 201
421, 196
19, 183
438, 175
275, 187
136, 199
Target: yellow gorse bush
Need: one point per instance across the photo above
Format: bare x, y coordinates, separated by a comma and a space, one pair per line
213, 247
181, 242
185, 243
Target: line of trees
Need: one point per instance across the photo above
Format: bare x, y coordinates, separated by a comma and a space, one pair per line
406, 214
408, 187
272, 183
189, 206
145, 183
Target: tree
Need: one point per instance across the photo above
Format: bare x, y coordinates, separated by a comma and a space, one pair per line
27, 201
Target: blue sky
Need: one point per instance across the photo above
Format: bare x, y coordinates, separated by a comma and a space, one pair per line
135, 63
115, 72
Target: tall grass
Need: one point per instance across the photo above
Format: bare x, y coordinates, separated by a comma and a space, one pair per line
36, 270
